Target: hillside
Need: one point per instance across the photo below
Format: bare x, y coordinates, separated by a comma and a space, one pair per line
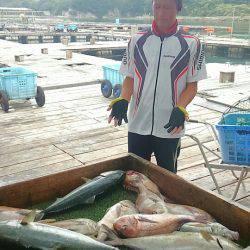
130, 8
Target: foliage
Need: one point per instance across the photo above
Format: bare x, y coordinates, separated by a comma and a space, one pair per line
130, 8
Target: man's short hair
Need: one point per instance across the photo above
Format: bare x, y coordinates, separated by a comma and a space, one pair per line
178, 4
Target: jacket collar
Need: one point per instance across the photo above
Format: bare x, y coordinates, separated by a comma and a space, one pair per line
168, 32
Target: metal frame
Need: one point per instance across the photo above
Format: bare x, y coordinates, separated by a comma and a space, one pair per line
243, 169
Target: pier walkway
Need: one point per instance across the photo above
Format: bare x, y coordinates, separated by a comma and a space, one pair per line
71, 130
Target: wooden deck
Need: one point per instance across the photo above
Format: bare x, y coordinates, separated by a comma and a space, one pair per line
71, 130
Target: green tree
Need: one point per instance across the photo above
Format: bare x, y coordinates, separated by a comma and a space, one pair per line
100, 8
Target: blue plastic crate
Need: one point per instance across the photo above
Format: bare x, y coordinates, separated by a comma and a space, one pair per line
59, 27
111, 73
234, 137
72, 27
18, 83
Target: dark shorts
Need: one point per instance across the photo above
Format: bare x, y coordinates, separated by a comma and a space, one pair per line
166, 150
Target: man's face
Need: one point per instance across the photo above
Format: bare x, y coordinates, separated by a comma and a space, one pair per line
164, 10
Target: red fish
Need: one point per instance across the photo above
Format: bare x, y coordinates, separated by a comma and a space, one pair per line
138, 225
134, 179
122, 208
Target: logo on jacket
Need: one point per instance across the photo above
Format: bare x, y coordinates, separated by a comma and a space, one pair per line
200, 60
125, 58
169, 56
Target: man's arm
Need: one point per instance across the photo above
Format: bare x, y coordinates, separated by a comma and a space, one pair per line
188, 94
196, 72
119, 106
185, 98
127, 88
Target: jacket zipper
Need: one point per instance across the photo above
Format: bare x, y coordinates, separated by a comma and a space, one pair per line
156, 81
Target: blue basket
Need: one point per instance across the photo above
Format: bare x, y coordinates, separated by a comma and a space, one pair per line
59, 26
72, 27
18, 83
111, 73
234, 137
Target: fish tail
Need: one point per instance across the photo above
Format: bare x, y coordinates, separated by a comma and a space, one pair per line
30, 217
102, 236
235, 236
39, 216
115, 240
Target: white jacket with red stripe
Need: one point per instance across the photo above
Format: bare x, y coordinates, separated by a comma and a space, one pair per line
161, 68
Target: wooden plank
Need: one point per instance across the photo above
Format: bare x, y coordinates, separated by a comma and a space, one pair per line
245, 201
65, 125
39, 172
19, 122
55, 109
194, 172
21, 115
204, 137
224, 179
101, 153
15, 169
106, 147
243, 190
194, 150
55, 136
28, 155
111, 157
16, 147
95, 142
213, 106
46, 125
194, 161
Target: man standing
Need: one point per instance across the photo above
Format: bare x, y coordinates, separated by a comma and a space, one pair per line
162, 68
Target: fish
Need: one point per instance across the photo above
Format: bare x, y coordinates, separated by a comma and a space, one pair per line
148, 202
175, 240
124, 207
188, 210
213, 228
10, 213
81, 225
85, 193
151, 201
43, 236
138, 225
134, 179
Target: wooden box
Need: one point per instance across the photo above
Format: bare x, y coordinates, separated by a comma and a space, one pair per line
234, 216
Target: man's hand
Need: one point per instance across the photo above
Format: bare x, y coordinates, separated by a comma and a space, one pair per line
119, 108
176, 121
